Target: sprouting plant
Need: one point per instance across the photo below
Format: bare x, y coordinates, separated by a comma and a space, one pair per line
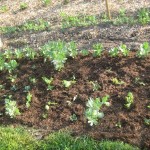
4, 8
96, 86
30, 53
23, 6
84, 52
116, 81
27, 88
94, 105
11, 107
129, 100
148, 106
19, 53
8, 54
28, 99
118, 124
12, 78
73, 117
48, 82
144, 50
123, 48
46, 2
47, 106
11, 65
32, 80
67, 83
72, 50
139, 81
114, 52
98, 49
2, 87
2, 62
147, 121
143, 16
13, 88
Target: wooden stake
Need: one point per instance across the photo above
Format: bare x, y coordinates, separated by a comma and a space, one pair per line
108, 10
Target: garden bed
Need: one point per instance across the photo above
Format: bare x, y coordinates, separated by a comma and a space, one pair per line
55, 105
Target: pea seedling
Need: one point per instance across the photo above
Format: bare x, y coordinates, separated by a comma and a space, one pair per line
129, 100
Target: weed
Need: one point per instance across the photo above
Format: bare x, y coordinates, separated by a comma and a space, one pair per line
29, 53
19, 53
12, 78
11, 107
32, 80
139, 81
67, 83
92, 112
129, 100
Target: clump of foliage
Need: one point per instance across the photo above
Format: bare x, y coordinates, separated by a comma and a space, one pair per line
93, 106
11, 107
144, 50
129, 100
116, 81
48, 82
23, 6
98, 49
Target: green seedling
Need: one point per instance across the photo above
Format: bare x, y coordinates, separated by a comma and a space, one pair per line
93, 106
114, 52
138, 81
28, 99
98, 49
30, 53
2, 87
3, 8
47, 106
123, 48
27, 88
67, 83
11, 107
14, 88
44, 115
72, 50
33, 80
12, 78
96, 86
46, 2
48, 82
118, 124
143, 16
129, 100
73, 117
116, 81
2, 62
23, 6
144, 50
19, 53
84, 52
11, 65
148, 106
147, 122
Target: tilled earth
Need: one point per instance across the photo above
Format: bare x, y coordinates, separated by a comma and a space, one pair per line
118, 123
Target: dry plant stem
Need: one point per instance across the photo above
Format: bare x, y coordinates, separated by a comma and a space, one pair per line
108, 10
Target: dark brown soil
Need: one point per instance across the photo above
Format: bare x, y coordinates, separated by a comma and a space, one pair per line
85, 69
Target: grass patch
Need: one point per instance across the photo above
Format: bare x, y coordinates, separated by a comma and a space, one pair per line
18, 138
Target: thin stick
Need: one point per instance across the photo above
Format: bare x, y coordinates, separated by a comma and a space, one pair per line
108, 10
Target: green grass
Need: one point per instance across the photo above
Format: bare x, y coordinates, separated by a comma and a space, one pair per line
18, 139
